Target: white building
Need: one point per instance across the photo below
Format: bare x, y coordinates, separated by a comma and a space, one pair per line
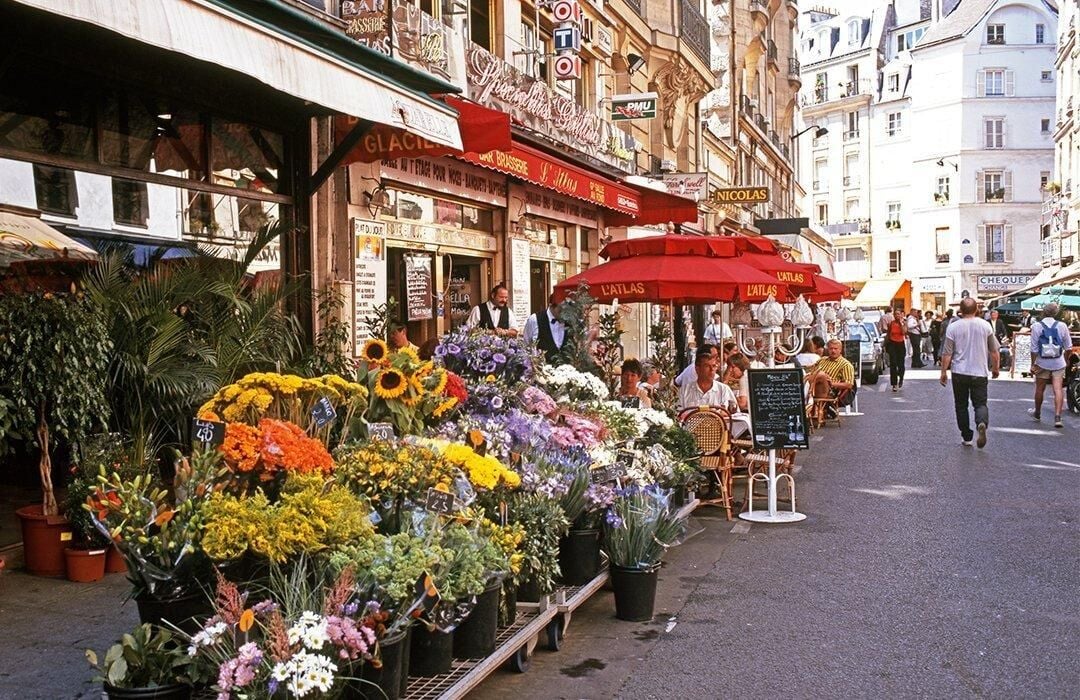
1061, 240
953, 137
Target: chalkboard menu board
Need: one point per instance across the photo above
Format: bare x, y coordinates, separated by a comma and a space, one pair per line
1021, 353
777, 409
853, 354
419, 288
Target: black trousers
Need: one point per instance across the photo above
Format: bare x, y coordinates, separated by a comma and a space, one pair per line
896, 353
916, 350
936, 342
967, 388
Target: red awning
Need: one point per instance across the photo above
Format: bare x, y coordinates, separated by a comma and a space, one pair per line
657, 208
796, 275
539, 168
671, 244
482, 130
674, 279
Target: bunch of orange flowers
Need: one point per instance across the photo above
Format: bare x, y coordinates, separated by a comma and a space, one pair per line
274, 446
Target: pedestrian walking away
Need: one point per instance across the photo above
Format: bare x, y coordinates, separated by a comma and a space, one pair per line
895, 336
1048, 338
970, 347
914, 327
935, 336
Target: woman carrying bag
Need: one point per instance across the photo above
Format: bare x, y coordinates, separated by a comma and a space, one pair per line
896, 348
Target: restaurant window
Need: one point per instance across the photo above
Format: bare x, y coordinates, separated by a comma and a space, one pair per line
423, 209
199, 213
55, 190
131, 203
480, 23
245, 156
57, 122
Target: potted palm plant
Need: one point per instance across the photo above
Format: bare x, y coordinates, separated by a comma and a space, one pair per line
639, 527
53, 364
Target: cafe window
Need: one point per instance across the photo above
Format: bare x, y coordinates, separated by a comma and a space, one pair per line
245, 156
55, 190
199, 213
131, 204
422, 209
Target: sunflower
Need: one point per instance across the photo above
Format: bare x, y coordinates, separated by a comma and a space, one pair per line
391, 383
441, 384
412, 399
410, 353
375, 350
445, 406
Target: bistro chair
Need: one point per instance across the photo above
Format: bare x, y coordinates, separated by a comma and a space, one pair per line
818, 407
711, 428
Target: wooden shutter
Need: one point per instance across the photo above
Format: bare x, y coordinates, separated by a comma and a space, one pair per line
1007, 243
981, 247
1006, 183
980, 187
1010, 83
1003, 122
980, 83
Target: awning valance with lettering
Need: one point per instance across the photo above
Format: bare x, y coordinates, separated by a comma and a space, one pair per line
880, 292
657, 207
482, 130
276, 44
26, 238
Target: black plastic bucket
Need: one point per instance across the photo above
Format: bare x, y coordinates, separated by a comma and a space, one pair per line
406, 656
387, 679
431, 653
528, 591
175, 691
475, 637
508, 612
635, 592
579, 556
187, 612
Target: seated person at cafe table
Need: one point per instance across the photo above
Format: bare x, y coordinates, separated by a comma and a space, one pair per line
707, 390
833, 375
809, 355
630, 387
688, 375
736, 378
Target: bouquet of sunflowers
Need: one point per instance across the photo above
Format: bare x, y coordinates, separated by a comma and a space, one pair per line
404, 390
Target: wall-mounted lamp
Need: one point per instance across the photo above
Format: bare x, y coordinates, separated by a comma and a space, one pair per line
941, 164
376, 199
820, 131
634, 63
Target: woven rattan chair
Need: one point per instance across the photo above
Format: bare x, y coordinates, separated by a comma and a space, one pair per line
711, 428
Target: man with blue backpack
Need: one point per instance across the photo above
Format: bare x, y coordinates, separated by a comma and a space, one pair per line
1048, 345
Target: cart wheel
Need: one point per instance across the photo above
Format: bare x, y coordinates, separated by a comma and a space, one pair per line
520, 661
554, 631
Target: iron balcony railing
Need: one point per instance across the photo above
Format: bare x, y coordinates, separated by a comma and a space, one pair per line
695, 29
793, 68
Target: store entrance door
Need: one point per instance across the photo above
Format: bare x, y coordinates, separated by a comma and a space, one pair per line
469, 280
539, 285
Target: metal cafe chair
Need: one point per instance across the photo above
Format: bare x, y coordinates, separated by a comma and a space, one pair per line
711, 428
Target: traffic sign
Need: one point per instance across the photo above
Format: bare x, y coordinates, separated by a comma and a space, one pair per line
567, 38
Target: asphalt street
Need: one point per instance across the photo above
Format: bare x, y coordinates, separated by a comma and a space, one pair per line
924, 569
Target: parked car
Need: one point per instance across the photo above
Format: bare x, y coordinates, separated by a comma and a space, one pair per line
872, 365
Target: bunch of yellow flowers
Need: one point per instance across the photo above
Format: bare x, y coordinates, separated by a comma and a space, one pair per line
285, 397
508, 538
484, 471
405, 390
386, 470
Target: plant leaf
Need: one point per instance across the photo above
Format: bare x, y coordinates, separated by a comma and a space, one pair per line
118, 672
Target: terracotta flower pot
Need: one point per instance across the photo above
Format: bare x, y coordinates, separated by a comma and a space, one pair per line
85, 565
44, 539
114, 561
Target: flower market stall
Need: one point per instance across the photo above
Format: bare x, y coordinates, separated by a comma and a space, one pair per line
397, 533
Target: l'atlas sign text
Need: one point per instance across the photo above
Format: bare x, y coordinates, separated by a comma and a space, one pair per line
740, 195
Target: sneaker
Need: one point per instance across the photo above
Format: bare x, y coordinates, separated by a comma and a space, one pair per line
966, 443
901, 383
895, 389
981, 442
1058, 423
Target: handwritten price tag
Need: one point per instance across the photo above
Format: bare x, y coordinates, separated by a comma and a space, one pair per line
207, 433
381, 431
323, 412
439, 502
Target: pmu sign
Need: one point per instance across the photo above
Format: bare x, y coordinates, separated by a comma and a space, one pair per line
639, 106
740, 195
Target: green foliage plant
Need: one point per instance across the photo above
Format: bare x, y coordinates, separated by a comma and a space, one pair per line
54, 351
147, 657
663, 361
545, 523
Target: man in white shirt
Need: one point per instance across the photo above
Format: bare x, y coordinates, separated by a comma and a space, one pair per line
1050, 339
689, 374
717, 331
706, 390
495, 314
970, 347
546, 330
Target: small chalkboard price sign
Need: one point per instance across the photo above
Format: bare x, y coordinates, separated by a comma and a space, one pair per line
607, 474
630, 401
853, 354
323, 412
439, 502
778, 409
381, 431
208, 433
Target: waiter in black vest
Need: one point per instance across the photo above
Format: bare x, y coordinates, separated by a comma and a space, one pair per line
494, 314
547, 330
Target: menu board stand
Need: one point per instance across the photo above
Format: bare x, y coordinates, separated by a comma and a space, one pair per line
771, 400
853, 349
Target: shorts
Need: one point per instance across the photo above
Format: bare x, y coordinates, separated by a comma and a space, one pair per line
1047, 374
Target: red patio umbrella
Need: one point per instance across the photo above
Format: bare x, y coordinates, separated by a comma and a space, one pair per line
674, 279
828, 289
674, 244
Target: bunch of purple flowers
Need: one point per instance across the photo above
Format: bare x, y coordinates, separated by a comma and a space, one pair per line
480, 356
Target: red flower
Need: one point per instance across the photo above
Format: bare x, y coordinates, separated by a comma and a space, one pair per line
455, 386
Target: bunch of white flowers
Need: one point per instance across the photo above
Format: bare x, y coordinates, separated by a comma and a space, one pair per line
305, 672
655, 418
309, 629
658, 462
208, 637
566, 383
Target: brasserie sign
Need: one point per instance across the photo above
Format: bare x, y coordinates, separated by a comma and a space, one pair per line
414, 37
499, 85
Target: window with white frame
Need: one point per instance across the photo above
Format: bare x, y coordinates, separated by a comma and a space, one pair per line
1040, 33
852, 119
941, 245
1044, 177
894, 82
994, 132
851, 209
996, 82
894, 126
851, 169
994, 186
823, 213
854, 29
821, 174
941, 189
856, 254
895, 261
893, 219
526, 59
995, 242
995, 34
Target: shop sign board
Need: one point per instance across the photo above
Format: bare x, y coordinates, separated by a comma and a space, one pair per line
605, 41
546, 205
431, 235
693, 186
496, 84
520, 279
1002, 283
547, 251
638, 106
419, 287
778, 409
369, 275
448, 176
413, 37
740, 195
